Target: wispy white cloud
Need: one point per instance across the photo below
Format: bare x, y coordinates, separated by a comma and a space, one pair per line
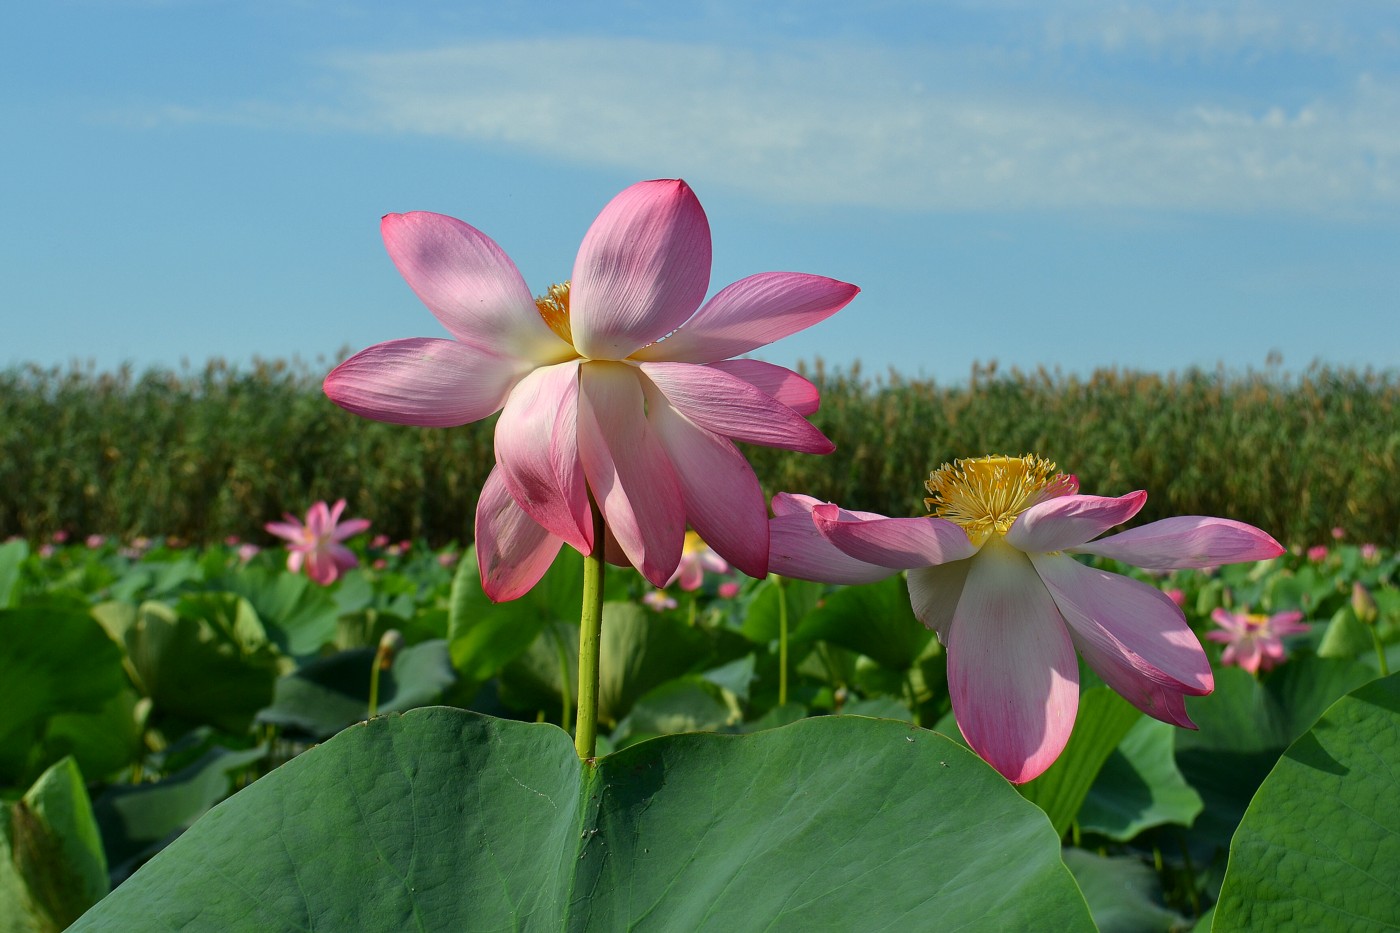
841, 125
836, 124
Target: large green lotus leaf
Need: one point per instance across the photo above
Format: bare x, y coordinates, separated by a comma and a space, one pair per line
1140, 786
12, 556
137, 820
641, 650
299, 615
485, 636
330, 693
874, 620
1319, 847
1103, 720
445, 820
1124, 893
51, 862
766, 602
197, 670
100, 742
54, 658
1245, 725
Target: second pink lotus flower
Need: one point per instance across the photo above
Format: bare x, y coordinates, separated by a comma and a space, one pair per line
992, 573
617, 387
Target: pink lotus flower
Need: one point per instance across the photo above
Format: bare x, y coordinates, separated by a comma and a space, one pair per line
613, 387
697, 559
316, 543
1317, 553
1254, 641
659, 601
991, 573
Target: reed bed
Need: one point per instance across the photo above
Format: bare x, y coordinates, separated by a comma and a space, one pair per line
202, 454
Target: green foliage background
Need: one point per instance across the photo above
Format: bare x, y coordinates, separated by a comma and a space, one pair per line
201, 454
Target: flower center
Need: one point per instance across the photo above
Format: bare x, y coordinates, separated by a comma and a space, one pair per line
554, 308
985, 494
1256, 624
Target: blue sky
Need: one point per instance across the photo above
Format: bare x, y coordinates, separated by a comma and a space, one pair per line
1079, 184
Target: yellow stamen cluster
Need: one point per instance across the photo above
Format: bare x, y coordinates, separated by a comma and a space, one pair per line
985, 494
554, 308
693, 544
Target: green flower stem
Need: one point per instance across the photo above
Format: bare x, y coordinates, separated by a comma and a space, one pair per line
373, 689
782, 639
1380, 651
590, 639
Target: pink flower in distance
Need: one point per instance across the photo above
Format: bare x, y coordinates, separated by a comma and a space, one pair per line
1317, 553
1254, 641
991, 573
316, 545
617, 386
697, 559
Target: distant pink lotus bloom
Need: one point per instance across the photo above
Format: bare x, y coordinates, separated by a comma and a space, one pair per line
1253, 641
728, 589
247, 551
315, 544
95, 541
697, 559
991, 573
1338, 533
1317, 553
448, 559
612, 387
659, 600
1370, 553
1178, 596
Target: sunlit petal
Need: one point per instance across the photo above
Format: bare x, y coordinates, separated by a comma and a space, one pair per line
753, 312
1011, 667
642, 270
1066, 521
782, 384
1186, 542
423, 381
537, 451
512, 550
731, 407
631, 477
470, 285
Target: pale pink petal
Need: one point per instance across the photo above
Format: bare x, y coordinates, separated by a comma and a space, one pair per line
1131, 633
423, 381
796, 549
320, 566
318, 519
1246, 654
723, 499
470, 285
1067, 521
333, 515
349, 528
641, 271
1185, 543
1288, 623
290, 529
782, 384
295, 560
790, 503
1012, 673
344, 558
732, 407
512, 551
897, 543
631, 477
537, 451
934, 594
751, 313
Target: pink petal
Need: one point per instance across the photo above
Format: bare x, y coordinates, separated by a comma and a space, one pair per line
1066, 521
1184, 543
1288, 623
321, 567
934, 593
642, 270
796, 549
423, 381
1132, 634
295, 560
318, 519
512, 551
723, 499
790, 503
470, 285
291, 530
349, 528
897, 543
732, 407
782, 384
753, 312
537, 451
628, 471
1012, 672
